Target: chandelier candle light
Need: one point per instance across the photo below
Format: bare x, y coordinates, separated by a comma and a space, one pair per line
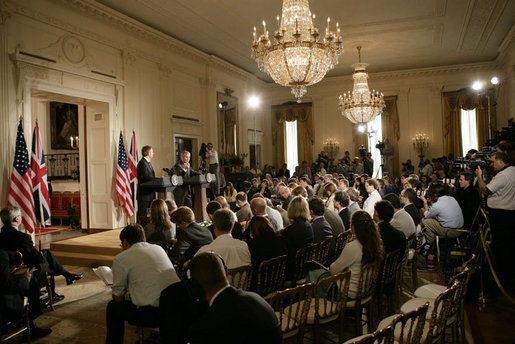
420, 143
298, 56
331, 147
361, 106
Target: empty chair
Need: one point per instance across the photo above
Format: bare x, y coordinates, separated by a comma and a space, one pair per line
412, 258
339, 243
407, 328
302, 256
240, 277
271, 274
383, 336
291, 307
388, 279
323, 250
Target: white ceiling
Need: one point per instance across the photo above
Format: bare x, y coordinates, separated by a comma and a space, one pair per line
394, 34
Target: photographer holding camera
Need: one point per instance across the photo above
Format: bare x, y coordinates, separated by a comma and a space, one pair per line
500, 193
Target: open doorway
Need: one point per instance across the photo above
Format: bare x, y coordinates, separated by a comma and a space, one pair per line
186, 143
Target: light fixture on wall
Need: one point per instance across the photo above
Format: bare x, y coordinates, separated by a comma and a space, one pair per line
421, 144
361, 106
298, 56
331, 147
479, 86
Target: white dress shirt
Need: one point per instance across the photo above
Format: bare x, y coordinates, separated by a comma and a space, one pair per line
276, 215
234, 252
502, 187
212, 156
371, 201
145, 270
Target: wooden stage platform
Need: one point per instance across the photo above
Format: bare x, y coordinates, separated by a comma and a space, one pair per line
88, 250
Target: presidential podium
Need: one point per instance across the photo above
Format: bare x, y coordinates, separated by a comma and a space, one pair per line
165, 186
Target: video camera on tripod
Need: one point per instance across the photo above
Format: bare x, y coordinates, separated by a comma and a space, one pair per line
381, 146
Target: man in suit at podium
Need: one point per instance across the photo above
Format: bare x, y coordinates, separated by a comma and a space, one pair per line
145, 174
182, 193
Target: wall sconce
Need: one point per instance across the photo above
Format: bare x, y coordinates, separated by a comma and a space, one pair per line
420, 143
331, 147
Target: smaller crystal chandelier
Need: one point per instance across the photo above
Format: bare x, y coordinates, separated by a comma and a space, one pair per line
361, 106
298, 56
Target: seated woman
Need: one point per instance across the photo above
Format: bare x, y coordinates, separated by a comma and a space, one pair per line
367, 248
160, 227
264, 189
237, 230
190, 235
230, 195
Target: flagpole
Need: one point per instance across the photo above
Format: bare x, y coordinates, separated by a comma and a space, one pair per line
39, 234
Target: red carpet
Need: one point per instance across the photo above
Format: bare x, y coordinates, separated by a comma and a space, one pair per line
49, 230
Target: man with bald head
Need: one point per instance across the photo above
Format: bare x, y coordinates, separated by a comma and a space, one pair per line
258, 208
286, 196
234, 315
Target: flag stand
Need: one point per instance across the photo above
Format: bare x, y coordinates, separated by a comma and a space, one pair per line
38, 233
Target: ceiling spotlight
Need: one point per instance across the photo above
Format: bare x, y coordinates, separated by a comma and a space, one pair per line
477, 85
220, 105
361, 128
494, 80
254, 101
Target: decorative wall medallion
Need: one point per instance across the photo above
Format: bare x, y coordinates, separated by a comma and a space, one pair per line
73, 49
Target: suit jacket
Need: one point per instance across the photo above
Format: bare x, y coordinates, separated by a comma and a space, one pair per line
413, 211
145, 174
189, 240
352, 208
182, 191
12, 288
244, 214
345, 216
321, 230
393, 239
13, 240
237, 316
299, 234
334, 221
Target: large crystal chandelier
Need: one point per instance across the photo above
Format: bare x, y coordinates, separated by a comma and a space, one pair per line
298, 57
361, 106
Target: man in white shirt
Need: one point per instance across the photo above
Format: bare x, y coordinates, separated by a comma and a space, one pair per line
443, 217
234, 252
401, 219
212, 160
372, 187
144, 270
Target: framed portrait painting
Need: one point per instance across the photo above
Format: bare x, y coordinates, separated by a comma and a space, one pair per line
64, 124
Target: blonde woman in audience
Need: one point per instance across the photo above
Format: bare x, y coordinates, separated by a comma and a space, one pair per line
367, 248
160, 227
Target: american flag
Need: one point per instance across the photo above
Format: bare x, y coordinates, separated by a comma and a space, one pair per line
39, 180
20, 193
123, 185
133, 167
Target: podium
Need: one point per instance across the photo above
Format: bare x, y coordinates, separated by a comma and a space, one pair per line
165, 186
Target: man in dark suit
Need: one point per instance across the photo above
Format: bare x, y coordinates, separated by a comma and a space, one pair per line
321, 228
146, 173
182, 193
190, 235
341, 202
234, 315
393, 239
408, 197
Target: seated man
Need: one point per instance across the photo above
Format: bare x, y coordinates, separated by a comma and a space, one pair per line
244, 213
341, 202
144, 270
234, 315
393, 239
211, 208
321, 228
401, 219
408, 198
234, 252
442, 218
190, 235
468, 198
12, 289
44, 262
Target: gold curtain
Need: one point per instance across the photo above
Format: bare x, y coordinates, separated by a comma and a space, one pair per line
358, 139
390, 128
453, 103
289, 112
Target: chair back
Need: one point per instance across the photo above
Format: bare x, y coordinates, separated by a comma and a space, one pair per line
461, 280
271, 274
469, 262
15, 258
331, 295
240, 277
408, 327
291, 307
302, 256
367, 281
383, 336
323, 250
390, 266
340, 241
442, 309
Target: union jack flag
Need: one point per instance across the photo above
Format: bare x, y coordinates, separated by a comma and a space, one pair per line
20, 192
39, 180
123, 185
133, 167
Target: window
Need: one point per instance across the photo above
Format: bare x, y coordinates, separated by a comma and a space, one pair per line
292, 154
468, 130
375, 134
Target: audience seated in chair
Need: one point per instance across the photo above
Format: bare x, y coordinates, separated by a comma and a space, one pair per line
190, 235
321, 228
160, 227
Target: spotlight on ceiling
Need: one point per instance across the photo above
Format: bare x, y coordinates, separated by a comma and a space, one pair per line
477, 85
361, 128
494, 81
254, 101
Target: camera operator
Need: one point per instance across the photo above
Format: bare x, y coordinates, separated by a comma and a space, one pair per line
442, 218
467, 196
407, 167
500, 193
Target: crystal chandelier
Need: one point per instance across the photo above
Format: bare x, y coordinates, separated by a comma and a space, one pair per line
298, 57
361, 106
